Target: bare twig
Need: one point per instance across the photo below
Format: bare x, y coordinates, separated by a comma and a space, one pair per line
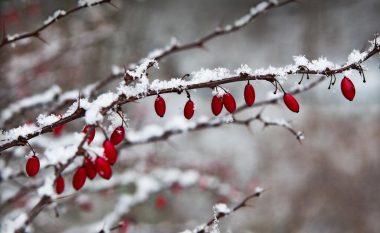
37, 32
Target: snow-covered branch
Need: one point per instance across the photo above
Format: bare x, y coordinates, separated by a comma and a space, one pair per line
96, 110
69, 97
58, 14
148, 185
221, 211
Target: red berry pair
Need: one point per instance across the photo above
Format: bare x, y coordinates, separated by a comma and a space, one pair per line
228, 101
89, 170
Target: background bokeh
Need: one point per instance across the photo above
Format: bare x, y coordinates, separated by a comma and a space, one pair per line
329, 183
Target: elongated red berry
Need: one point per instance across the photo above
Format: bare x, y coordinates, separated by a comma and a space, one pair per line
249, 94
110, 152
90, 168
188, 111
91, 134
229, 102
103, 168
117, 135
79, 178
160, 106
57, 131
161, 202
124, 226
291, 103
216, 105
348, 88
59, 185
32, 165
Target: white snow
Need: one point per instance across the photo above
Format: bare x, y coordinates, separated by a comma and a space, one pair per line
18, 106
44, 120
221, 208
93, 114
355, 57
258, 190
88, 2
10, 225
55, 16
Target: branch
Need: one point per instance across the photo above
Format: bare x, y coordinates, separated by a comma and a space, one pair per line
255, 12
159, 180
223, 212
51, 20
201, 79
65, 99
141, 137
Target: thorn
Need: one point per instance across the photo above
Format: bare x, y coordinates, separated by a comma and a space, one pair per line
203, 47
185, 76
38, 36
79, 94
110, 2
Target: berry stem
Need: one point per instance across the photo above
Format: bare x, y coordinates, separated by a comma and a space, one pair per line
188, 94
103, 130
34, 153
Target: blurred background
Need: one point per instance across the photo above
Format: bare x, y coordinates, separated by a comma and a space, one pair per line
329, 183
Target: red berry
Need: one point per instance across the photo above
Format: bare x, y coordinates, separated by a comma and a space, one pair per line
32, 165
91, 134
90, 168
291, 103
161, 202
79, 178
160, 106
103, 168
216, 104
118, 135
229, 102
249, 94
348, 88
188, 111
110, 152
124, 225
59, 185
58, 130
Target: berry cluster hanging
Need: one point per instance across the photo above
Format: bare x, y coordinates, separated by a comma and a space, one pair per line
102, 165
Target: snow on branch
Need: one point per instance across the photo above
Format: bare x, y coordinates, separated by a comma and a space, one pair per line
30, 102
60, 151
148, 185
96, 110
69, 97
221, 211
9, 39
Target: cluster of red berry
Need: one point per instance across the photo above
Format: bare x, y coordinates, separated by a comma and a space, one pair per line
89, 169
227, 100
102, 164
